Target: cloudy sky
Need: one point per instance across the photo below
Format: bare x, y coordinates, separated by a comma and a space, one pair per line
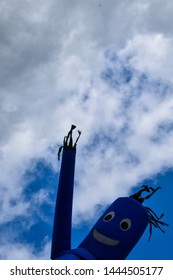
106, 66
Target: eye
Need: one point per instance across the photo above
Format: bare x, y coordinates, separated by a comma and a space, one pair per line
109, 216
125, 224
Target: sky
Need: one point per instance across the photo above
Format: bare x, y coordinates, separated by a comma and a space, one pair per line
105, 66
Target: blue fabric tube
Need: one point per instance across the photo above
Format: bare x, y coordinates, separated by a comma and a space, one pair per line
61, 237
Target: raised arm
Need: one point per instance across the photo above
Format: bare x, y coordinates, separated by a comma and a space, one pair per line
61, 237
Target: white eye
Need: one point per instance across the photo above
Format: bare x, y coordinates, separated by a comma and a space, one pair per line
125, 224
109, 216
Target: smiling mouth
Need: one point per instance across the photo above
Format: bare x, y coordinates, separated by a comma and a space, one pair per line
104, 239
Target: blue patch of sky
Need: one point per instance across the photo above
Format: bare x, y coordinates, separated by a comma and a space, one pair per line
160, 246
163, 129
117, 77
100, 138
161, 88
78, 234
37, 234
17, 231
42, 177
118, 73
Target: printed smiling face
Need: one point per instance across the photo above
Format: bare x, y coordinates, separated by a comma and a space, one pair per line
118, 230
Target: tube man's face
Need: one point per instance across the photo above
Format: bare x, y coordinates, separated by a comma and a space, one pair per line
118, 229
124, 225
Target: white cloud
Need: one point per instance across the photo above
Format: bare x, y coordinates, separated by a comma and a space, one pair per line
19, 251
152, 54
52, 56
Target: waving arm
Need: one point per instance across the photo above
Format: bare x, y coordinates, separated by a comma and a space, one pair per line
61, 237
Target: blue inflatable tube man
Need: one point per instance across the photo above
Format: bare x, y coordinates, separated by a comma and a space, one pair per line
116, 232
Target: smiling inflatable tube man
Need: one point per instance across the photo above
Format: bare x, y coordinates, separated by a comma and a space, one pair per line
116, 232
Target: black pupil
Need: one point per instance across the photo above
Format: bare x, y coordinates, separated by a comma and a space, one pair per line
108, 217
124, 225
